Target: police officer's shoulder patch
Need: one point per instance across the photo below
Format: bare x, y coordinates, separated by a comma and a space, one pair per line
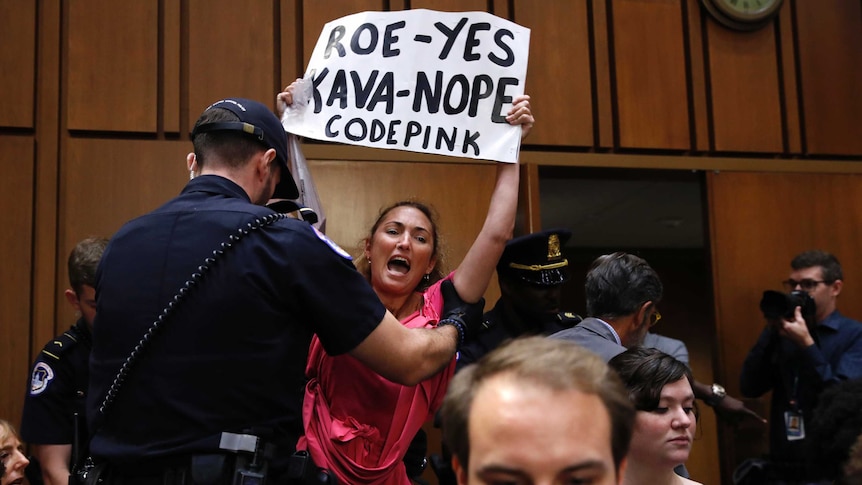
331, 244
42, 376
52, 353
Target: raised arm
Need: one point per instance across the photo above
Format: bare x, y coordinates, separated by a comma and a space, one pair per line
474, 273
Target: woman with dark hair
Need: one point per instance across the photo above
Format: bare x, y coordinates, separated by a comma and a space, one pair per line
660, 387
12, 459
359, 425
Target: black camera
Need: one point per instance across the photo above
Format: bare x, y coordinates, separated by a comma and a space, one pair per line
776, 304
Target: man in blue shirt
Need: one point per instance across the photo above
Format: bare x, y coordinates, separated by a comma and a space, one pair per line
796, 362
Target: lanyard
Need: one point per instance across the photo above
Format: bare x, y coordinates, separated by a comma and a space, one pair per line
793, 397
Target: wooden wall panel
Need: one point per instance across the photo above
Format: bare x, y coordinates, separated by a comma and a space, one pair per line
314, 18
501, 8
830, 65
697, 71
558, 73
18, 58
529, 218
132, 176
17, 164
291, 42
46, 178
758, 223
650, 81
451, 5
231, 52
745, 89
792, 126
171, 68
604, 109
112, 66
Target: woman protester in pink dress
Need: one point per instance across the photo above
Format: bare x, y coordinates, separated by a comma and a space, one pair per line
359, 425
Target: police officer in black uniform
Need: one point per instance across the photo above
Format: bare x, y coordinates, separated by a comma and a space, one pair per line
54, 404
531, 272
206, 307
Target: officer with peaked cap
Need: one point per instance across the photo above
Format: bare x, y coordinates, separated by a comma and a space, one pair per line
531, 273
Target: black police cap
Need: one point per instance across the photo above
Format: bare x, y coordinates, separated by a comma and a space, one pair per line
537, 258
258, 121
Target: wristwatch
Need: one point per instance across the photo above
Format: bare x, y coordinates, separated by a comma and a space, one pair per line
718, 394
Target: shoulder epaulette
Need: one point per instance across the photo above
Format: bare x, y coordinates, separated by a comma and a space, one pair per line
487, 324
60, 344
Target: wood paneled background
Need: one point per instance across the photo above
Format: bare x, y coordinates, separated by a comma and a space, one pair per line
98, 97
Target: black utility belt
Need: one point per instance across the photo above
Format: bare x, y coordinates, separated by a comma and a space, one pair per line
214, 469
241, 459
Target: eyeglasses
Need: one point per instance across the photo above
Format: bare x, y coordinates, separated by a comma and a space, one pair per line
654, 318
806, 284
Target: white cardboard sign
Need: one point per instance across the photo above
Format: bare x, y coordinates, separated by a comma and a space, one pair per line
416, 80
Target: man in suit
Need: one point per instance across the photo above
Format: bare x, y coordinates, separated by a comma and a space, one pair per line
622, 293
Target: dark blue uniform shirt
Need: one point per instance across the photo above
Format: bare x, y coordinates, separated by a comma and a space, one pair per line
799, 375
57, 389
232, 355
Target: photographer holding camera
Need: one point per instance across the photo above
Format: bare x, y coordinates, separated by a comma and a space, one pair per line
798, 357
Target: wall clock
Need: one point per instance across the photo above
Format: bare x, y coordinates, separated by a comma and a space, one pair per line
743, 14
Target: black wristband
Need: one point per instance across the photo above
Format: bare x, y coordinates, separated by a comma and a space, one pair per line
459, 326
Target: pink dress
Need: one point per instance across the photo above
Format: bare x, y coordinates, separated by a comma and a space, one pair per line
358, 424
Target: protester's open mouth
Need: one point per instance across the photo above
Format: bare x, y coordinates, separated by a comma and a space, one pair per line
398, 265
